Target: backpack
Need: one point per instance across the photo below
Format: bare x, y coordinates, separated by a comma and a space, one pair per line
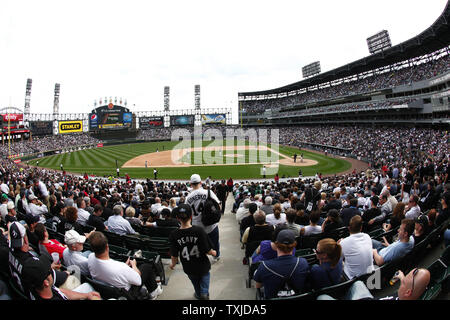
211, 211
286, 288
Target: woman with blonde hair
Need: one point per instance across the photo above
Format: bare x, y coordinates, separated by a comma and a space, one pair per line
329, 270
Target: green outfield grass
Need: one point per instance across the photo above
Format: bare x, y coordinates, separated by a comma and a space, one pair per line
102, 162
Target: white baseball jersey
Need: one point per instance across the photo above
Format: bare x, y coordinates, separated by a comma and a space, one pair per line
195, 200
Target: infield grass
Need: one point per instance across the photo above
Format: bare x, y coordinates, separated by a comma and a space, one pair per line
102, 162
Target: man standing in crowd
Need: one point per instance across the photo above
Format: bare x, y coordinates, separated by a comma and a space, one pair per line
196, 199
192, 244
221, 190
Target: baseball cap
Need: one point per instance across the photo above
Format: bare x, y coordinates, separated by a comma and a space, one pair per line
17, 232
32, 197
422, 219
286, 237
30, 219
195, 178
37, 270
4, 196
10, 205
183, 211
72, 237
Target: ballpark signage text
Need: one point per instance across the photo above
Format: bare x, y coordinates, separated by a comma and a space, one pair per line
70, 126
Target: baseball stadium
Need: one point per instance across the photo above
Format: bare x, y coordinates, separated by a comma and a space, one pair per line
342, 177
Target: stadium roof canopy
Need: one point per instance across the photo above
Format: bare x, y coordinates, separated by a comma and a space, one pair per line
432, 39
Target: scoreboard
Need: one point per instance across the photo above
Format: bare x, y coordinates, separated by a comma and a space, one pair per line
110, 117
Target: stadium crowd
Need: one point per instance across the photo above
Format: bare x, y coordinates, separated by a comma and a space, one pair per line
48, 143
410, 166
388, 79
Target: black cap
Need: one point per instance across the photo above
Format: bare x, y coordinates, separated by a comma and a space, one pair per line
36, 270
16, 232
183, 211
422, 219
30, 219
286, 236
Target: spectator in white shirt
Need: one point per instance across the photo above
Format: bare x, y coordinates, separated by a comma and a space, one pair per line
277, 217
357, 250
119, 274
243, 212
412, 210
37, 208
73, 254
156, 206
3, 206
83, 215
312, 228
4, 187
117, 224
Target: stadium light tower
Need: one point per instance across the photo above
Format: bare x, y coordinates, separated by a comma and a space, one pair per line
56, 99
311, 70
166, 98
27, 97
379, 42
197, 96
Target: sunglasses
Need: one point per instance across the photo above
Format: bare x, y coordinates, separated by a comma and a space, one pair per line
414, 274
317, 251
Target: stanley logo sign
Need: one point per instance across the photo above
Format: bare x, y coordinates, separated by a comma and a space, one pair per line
70, 126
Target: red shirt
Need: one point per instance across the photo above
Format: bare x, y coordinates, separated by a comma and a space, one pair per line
54, 246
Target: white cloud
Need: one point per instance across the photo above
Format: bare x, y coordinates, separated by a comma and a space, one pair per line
133, 49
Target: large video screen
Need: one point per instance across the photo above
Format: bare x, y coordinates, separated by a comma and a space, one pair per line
213, 119
41, 128
182, 120
151, 122
110, 117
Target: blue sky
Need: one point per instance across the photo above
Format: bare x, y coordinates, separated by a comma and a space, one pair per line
132, 49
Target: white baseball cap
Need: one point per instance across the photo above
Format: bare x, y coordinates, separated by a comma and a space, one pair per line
195, 178
10, 205
72, 237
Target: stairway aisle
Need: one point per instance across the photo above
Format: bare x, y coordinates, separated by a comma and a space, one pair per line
227, 275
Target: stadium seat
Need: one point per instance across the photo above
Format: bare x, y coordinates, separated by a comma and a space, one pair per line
106, 291
337, 234
432, 292
310, 241
376, 233
250, 248
114, 238
337, 291
134, 243
155, 260
160, 245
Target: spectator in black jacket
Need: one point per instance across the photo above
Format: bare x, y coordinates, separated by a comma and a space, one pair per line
348, 213
332, 222
334, 203
443, 213
370, 215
